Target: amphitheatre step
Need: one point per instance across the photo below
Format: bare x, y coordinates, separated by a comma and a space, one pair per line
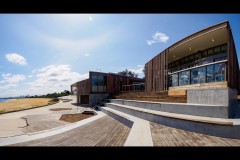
140, 133
157, 100
215, 111
151, 96
229, 128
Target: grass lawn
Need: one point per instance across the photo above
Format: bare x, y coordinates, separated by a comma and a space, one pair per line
24, 103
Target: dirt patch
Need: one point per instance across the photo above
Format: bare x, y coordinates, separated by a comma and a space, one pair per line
74, 117
60, 109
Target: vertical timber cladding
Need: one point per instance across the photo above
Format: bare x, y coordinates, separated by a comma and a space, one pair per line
233, 66
83, 87
155, 73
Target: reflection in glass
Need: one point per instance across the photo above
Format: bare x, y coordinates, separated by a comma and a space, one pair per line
216, 72
98, 83
94, 80
184, 78
174, 79
198, 75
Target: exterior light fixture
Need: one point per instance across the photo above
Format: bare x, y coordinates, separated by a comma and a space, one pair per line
190, 48
213, 40
174, 56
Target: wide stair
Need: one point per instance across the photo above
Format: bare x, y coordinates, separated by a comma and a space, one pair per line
205, 119
151, 96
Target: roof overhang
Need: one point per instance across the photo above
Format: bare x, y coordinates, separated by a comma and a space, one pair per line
199, 41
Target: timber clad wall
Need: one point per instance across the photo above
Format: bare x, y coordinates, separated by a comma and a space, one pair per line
233, 66
113, 83
155, 73
83, 87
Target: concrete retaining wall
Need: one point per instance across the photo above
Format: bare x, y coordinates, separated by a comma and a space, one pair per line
224, 97
204, 128
96, 98
216, 111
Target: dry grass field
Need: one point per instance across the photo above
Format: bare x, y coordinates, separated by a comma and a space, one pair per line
25, 103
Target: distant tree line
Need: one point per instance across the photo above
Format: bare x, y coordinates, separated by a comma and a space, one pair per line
128, 73
51, 95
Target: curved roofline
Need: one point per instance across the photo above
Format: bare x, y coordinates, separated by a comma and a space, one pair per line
193, 35
198, 32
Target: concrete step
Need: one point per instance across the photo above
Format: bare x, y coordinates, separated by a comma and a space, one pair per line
144, 93
229, 128
215, 111
156, 100
140, 133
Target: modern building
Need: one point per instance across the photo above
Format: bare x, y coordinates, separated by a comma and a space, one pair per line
100, 85
204, 59
203, 66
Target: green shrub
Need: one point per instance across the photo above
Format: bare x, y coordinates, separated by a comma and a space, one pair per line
54, 100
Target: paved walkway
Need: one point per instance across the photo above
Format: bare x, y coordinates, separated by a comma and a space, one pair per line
35, 120
105, 131
168, 136
45, 129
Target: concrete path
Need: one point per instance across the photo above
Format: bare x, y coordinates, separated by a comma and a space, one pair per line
35, 120
50, 132
11, 127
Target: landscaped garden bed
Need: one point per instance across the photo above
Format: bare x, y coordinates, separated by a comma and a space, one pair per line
75, 117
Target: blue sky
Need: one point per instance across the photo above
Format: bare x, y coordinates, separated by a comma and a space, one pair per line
45, 53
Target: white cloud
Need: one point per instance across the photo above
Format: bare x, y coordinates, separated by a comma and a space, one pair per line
16, 58
158, 37
138, 70
30, 76
90, 18
86, 54
8, 86
150, 42
12, 91
7, 78
54, 78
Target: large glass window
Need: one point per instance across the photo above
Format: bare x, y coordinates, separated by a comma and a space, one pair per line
184, 78
198, 75
216, 72
98, 83
219, 72
174, 80
204, 54
220, 59
224, 48
197, 56
216, 50
201, 57
191, 58
210, 52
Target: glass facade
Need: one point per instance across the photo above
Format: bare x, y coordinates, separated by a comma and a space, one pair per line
174, 80
184, 78
204, 74
216, 72
98, 83
211, 73
198, 75
199, 58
